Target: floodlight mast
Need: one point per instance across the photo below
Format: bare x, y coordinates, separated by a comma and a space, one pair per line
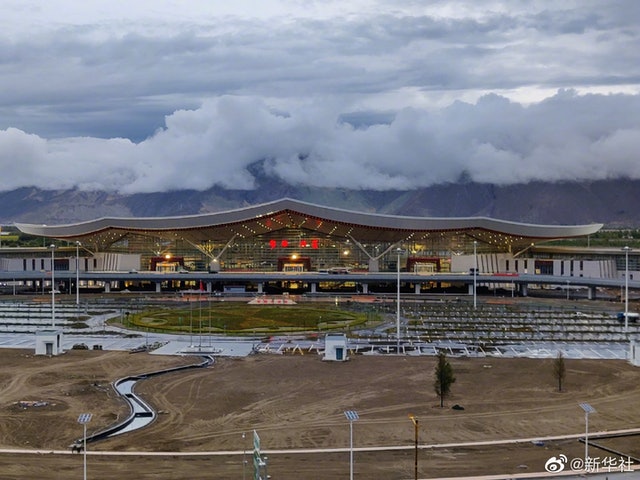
352, 416
587, 410
83, 419
399, 251
626, 289
53, 286
78, 274
244, 456
475, 273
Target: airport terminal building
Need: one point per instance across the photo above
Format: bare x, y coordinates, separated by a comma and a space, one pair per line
290, 236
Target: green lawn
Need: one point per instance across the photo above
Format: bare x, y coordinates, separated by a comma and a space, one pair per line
240, 318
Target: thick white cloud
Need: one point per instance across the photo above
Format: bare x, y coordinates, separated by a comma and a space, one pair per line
386, 94
86, 163
566, 137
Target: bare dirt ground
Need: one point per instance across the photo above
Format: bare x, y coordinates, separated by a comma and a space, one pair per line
298, 402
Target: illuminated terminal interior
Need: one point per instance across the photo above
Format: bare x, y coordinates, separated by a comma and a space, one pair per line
295, 249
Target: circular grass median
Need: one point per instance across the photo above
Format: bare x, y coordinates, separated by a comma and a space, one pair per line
240, 318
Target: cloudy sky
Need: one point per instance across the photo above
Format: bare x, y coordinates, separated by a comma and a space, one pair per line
145, 96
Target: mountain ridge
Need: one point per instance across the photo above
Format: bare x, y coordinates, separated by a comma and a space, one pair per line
611, 202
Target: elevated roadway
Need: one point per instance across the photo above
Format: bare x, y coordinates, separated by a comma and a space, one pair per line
365, 279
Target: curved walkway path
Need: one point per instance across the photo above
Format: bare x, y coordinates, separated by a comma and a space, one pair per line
141, 413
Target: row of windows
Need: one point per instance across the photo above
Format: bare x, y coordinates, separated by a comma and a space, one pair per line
59, 264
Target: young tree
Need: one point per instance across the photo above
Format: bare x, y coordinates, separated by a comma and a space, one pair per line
559, 369
444, 377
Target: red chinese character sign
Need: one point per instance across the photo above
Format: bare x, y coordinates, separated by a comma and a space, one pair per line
284, 243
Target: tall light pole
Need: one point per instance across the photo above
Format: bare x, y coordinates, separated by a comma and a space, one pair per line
587, 410
244, 456
626, 288
78, 273
83, 419
53, 286
475, 272
414, 419
398, 251
352, 416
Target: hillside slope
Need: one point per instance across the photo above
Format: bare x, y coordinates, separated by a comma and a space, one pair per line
614, 202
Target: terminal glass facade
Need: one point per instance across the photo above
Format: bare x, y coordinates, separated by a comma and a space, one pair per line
288, 248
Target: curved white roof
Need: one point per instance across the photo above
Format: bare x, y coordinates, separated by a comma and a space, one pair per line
289, 213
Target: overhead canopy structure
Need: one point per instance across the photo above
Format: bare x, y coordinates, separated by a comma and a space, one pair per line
287, 214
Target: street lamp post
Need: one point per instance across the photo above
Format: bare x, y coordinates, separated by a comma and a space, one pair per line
352, 416
244, 456
53, 286
587, 410
626, 288
78, 273
475, 272
83, 419
414, 419
398, 251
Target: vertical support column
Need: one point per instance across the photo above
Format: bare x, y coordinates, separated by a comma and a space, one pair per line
107, 287
209, 286
314, 287
523, 289
260, 287
158, 287
365, 288
417, 288
591, 293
